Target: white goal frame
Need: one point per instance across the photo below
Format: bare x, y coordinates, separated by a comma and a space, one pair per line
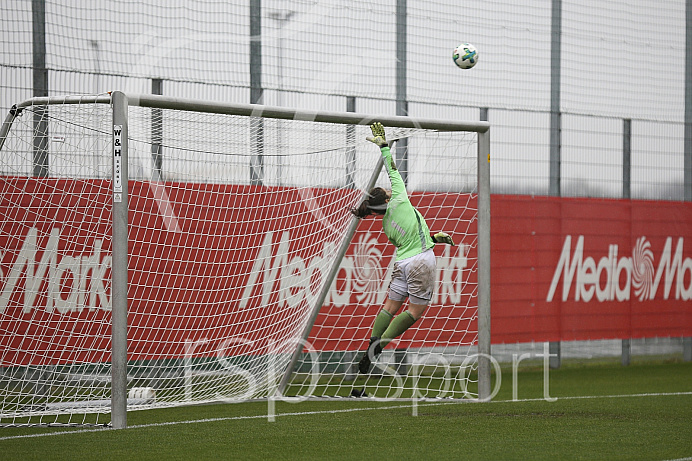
120, 103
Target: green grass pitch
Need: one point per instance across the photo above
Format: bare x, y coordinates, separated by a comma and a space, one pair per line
643, 411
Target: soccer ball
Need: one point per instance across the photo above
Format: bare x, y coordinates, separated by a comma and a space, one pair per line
465, 56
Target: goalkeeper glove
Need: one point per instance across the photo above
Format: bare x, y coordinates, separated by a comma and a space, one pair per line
443, 237
378, 136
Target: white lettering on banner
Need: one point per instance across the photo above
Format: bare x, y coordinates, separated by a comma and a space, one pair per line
295, 276
298, 279
623, 274
450, 275
86, 272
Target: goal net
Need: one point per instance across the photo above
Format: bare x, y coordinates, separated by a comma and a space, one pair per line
247, 277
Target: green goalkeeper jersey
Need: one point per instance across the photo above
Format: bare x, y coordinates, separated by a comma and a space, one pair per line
403, 224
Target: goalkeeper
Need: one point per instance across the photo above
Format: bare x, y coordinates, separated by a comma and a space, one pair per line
414, 271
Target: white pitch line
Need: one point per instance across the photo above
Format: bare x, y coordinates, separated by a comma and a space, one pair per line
621, 396
211, 420
346, 410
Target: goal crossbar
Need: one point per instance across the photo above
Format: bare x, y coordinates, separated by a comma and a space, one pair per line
250, 110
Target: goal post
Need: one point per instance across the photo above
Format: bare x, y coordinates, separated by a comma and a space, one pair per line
120, 180
153, 266
484, 365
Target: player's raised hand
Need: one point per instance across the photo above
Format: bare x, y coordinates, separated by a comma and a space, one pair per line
378, 136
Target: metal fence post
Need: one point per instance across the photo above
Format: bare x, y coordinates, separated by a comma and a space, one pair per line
157, 133
350, 146
256, 93
555, 127
626, 194
40, 76
401, 148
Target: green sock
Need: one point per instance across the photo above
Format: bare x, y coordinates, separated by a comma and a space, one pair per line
401, 323
381, 323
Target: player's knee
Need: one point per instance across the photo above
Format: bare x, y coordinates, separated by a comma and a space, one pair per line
416, 310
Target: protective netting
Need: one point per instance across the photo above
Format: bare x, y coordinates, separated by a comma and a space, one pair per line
234, 224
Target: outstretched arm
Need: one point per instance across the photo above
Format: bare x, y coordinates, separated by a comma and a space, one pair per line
378, 138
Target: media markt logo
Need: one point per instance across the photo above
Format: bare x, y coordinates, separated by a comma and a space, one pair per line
71, 284
615, 278
367, 271
286, 278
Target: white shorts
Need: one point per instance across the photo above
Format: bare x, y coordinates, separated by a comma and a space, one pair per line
414, 278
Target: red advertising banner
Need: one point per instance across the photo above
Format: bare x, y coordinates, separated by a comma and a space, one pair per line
225, 261
578, 269
207, 263
55, 271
